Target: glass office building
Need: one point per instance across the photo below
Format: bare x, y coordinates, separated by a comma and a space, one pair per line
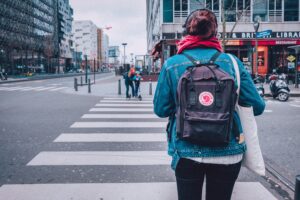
28, 35
282, 17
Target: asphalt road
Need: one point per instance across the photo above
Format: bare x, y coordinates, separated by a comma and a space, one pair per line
34, 114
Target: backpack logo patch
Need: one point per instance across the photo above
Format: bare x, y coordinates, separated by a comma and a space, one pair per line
206, 99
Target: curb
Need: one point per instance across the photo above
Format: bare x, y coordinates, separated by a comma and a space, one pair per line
47, 77
291, 95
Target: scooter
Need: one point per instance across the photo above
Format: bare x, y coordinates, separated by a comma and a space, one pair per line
258, 81
279, 88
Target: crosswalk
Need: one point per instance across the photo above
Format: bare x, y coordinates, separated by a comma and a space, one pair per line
35, 89
118, 124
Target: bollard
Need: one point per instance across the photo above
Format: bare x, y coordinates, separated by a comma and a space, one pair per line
89, 85
80, 80
119, 87
75, 84
297, 188
150, 87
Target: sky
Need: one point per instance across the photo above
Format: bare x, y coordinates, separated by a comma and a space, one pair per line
127, 18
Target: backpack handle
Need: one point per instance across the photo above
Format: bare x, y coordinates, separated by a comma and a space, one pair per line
197, 63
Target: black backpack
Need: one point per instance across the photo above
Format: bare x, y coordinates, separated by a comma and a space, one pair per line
206, 98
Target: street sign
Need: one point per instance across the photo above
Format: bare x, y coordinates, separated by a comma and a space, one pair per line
291, 58
264, 33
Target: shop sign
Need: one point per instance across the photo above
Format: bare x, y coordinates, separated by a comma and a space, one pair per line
264, 33
245, 59
251, 35
291, 58
291, 65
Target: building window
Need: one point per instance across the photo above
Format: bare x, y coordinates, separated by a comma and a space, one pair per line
275, 10
180, 10
291, 10
230, 10
197, 4
260, 8
244, 13
168, 11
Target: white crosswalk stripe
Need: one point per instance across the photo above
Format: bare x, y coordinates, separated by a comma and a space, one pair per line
36, 89
108, 137
71, 158
120, 110
124, 105
119, 116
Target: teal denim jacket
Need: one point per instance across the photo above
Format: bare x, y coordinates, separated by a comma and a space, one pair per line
165, 103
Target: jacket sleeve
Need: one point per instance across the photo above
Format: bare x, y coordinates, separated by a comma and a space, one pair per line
164, 104
248, 92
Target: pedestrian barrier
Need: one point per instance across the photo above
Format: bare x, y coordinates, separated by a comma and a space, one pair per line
76, 84
297, 188
150, 87
119, 87
89, 85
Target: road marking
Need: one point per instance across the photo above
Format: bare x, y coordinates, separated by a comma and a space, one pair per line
30, 88
100, 158
121, 110
295, 105
123, 98
119, 125
119, 191
108, 137
12, 88
44, 88
124, 105
57, 89
119, 116
126, 101
268, 111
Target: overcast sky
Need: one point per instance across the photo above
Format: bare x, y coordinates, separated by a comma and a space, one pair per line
127, 18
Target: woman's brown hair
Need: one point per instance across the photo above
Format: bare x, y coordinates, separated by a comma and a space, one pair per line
202, 22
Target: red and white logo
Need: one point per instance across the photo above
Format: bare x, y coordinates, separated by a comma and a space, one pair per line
206, 98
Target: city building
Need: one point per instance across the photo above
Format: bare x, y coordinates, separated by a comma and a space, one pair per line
85, 37
103, 44
113, 56
65, 19
28, 36
278, 19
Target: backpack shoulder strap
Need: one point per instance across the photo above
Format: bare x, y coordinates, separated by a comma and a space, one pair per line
197, 62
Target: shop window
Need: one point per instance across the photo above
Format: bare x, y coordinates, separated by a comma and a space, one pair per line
260, 8
291, 10
168, 11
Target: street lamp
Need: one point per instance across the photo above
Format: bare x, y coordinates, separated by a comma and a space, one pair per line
124, 44
256, 24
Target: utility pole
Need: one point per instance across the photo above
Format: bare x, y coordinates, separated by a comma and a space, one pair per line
124, 44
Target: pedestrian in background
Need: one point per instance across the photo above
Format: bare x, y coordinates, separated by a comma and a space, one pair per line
137, 81
219, 165
128, 77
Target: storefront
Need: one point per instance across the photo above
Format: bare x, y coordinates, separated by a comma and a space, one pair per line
273, 54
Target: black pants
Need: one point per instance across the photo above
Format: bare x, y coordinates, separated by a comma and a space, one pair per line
127, 84
220, 180
137, 86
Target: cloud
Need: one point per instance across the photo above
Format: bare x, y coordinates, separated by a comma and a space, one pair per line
127, 18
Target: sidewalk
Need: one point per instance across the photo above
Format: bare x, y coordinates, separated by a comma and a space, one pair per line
41, 77
108, 86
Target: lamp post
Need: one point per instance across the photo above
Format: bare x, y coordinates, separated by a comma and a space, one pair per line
124, 45
256, 27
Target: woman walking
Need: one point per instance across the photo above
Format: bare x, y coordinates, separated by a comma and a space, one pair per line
219, 165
